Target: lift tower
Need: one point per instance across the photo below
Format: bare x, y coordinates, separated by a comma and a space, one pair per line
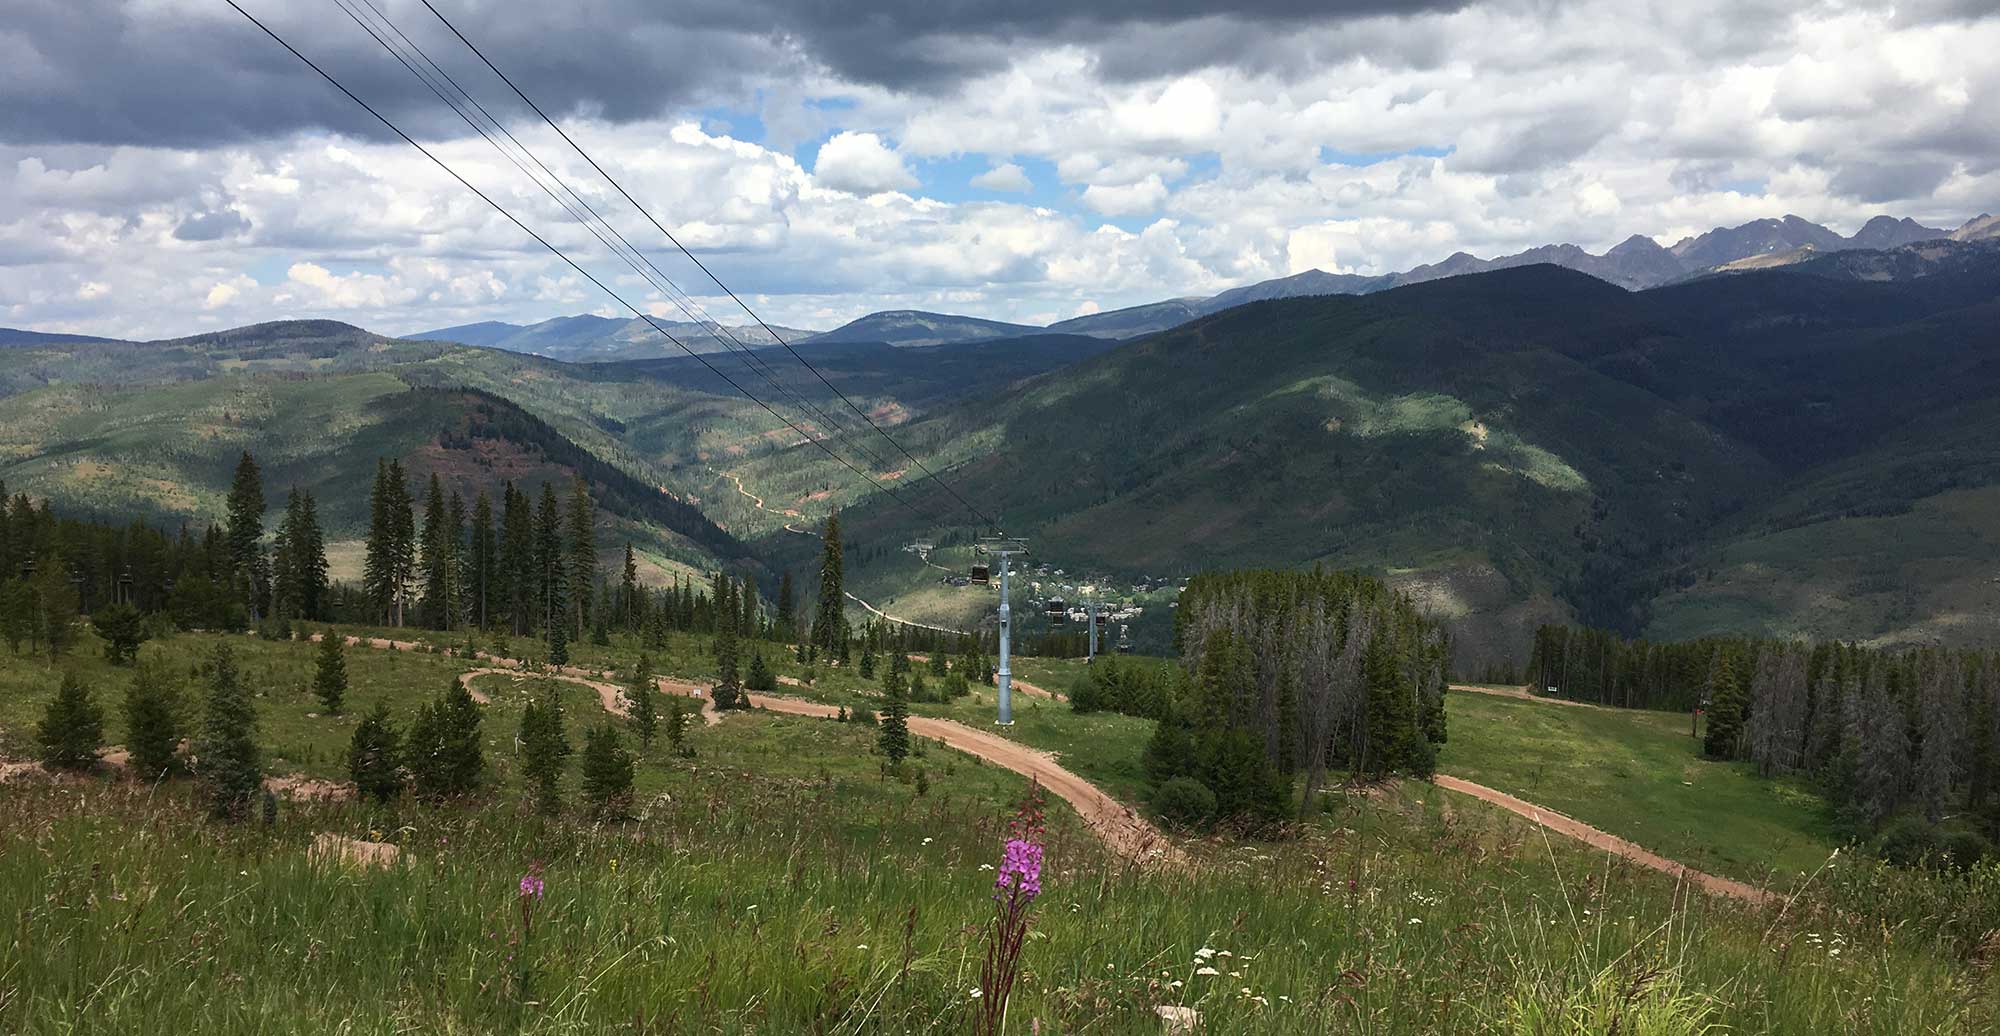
1001, 549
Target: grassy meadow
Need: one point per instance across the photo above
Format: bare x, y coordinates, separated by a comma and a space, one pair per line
779, 879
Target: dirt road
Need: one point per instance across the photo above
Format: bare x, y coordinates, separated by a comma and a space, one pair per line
1522, 693
1608, 842
1122, 829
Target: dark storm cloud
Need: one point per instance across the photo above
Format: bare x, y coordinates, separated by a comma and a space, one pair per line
113, 72
1890, 180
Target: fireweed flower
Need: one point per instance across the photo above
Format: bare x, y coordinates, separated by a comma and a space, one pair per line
532, 885
1020, 869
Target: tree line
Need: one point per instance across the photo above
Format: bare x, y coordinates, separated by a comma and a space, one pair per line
1286, 675
1904, 742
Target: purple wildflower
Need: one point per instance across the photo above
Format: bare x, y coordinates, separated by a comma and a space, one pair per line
531, 885
1020, 869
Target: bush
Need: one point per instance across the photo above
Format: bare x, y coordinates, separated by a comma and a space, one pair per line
374, 756
123, 629
72, 728
1184, 802
444, 755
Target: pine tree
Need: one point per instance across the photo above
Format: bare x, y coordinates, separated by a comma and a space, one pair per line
829, 629
559, 641
1392, 734
123, 629
152, 720
1725, 708
894, 738
246, 535
728, 685
552, 590
481, 560
631, 600
786, 607
285, 590
759, 678
72, 728
545, 749
938, 663
309, 560
391, 553
582, 549
54, 606
868, 665
643, 691
330, 673
434, 608
607, 773
226, 754
374, 756
677, 721
444, 755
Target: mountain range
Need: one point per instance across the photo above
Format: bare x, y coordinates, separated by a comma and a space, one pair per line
1637, 263
586, 338
1801, 446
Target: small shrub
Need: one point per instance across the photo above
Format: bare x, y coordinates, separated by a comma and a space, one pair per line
152, 720
123, 629
1185, 802
607, 773
374, 756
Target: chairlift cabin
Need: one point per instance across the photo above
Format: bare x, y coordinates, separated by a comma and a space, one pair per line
1103, 620
981, 574
1058, 612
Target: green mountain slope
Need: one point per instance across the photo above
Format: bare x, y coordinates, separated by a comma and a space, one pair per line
1512, 445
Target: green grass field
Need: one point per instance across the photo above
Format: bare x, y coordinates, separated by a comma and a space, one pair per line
1639, 775
779, 880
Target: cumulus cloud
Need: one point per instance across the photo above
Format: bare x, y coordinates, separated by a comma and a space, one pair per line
1364, 136
862, 164
1006, 176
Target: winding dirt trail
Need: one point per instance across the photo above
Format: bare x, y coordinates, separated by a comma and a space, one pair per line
1608, 842
1519, 693
1121, 828
758, 502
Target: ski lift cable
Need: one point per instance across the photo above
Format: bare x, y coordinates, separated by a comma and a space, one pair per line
590, 218
544, 242
780, 339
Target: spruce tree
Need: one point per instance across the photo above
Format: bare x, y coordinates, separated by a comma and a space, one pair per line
123, 629
867, 665
786, 607
226, 756
829, 629
894, 738
442, 748
629, 594
152, 720
677, 721
1391, 713
481, 560
937, 662
72, 728
559, 641
552, 587
246, 535
728, 686
607, 773
374, 756
759, 678
309, 560
582, 550
434, 608
545, 749
330, 672
1725, 708
644, 691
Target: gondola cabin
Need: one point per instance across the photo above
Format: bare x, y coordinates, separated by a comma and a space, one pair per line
981, 575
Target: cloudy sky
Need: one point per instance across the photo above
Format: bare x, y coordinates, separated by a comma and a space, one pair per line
166, 168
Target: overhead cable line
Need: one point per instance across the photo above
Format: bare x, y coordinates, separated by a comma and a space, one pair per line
559, 253
589, 216
981, 515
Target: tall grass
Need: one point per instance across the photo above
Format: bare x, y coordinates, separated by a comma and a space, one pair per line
742, 903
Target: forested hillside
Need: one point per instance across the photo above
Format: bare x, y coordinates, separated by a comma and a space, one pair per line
1514, 446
